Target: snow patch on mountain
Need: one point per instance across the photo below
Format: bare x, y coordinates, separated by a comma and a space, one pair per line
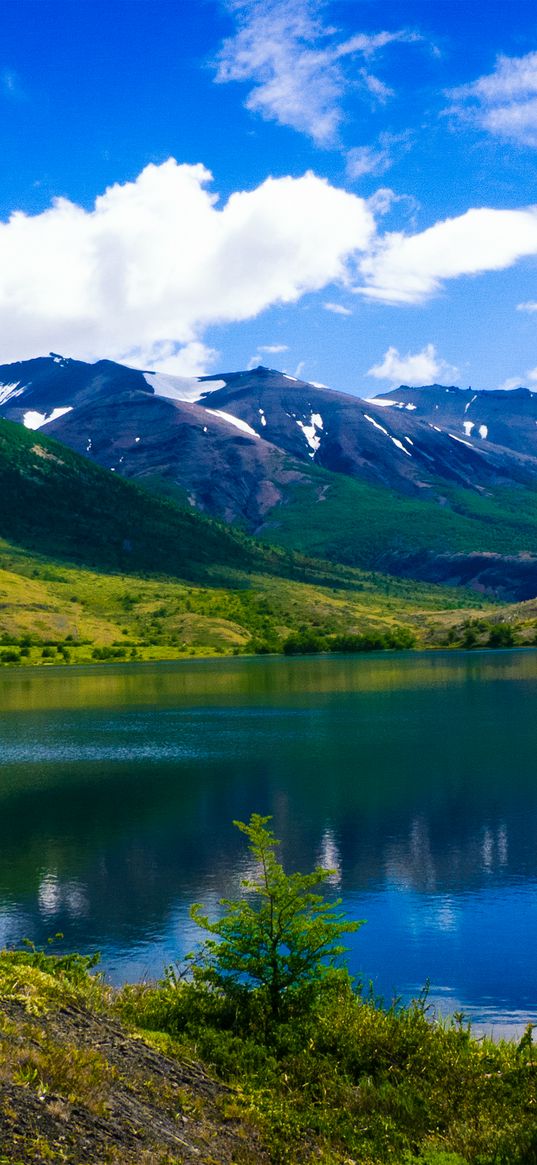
376, 400
10, 391
184, 388
310, 431
242, 425
399, 445
376, 424
35, 420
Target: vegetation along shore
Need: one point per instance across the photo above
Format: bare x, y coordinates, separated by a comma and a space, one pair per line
263, 1050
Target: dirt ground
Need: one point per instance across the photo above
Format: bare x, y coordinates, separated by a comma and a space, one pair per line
76, 1088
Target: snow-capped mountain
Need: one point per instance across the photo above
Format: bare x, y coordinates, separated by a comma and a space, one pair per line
507, 419
223, 440
331, 473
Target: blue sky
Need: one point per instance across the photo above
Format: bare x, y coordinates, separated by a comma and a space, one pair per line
344, 190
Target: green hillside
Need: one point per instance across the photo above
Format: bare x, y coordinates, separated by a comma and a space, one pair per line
64, 506
53, 612
93, 568
350, 521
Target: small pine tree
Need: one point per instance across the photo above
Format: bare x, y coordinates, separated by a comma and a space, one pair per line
280, 935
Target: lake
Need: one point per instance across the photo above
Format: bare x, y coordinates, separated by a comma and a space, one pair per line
412, 776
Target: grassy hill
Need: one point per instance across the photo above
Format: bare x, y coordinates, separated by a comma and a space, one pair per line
54, 612
92, 567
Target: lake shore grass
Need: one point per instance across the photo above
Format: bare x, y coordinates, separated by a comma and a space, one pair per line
170, 1072
66, 615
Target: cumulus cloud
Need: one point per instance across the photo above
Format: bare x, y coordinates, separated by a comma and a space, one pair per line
142, 275
416, 368
530, 306
503, 102
297, 65
409, 268
157, 260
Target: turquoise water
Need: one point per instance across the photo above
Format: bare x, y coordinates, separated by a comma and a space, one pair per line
412, 776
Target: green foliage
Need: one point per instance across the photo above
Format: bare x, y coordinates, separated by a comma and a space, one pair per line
41, 980
279, 936
362, 524
342, 1078
502, 635
304, 643
72, 966
335, 1077
10, 656
396, 638
103, 653
61, 504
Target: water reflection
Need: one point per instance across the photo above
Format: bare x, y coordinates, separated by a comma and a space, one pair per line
411, 778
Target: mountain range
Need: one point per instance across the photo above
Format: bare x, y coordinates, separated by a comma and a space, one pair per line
436, 483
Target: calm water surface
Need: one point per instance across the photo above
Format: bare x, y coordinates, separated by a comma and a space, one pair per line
414, 777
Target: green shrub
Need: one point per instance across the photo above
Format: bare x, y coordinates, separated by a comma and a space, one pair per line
502, 635
9, 657
278, 938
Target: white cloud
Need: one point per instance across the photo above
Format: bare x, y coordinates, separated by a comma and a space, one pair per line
142, 275
296, 64
410, 268
530, 306
265, 350
376, 87
503, 102
376, 159
520, 381
510, 383
157, 260
364, 160
192, 359
337, 309
415, 369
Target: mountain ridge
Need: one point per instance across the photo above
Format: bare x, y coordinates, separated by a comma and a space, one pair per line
454, 472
